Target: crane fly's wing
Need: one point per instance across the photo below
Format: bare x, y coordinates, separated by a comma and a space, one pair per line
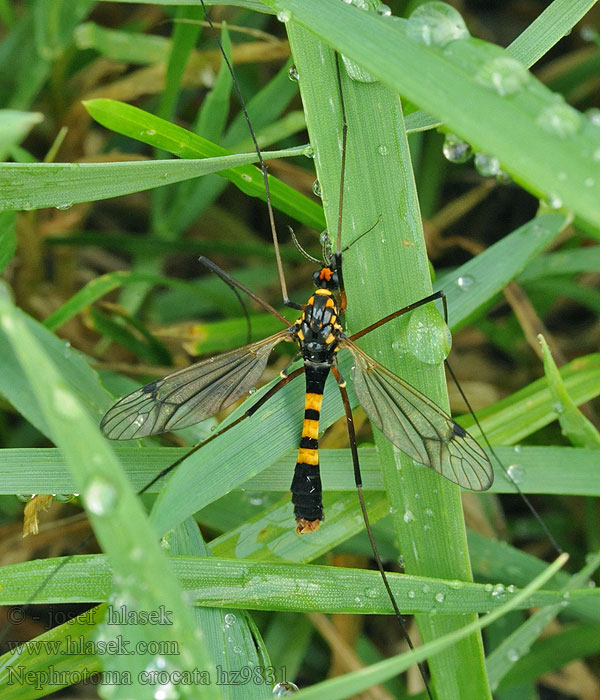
417, 426
189, 395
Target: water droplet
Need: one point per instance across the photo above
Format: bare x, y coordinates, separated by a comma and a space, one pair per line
465, 282
383, 10
65, 206
283, 689
429, 338
383, 151
101, 497
316, 188
246, 177
499, 591
488, 588
440, 597
284, 16
293, 74
559, 119
309, 152
65, 403
436, 24
371, 593
411, 594
554, 200
139, 421
230, 619
25, 497
63, 497
356, 72
408, 516
593, 115
503, 178
512, 655
588, 33
429, 512
503, 74
486, 165
455, 149
515, 473
558, 407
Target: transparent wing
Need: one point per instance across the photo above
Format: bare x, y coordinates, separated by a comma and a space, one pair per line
417, 426
189, 395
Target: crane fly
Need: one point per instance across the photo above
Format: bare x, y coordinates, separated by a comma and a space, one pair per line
410, 420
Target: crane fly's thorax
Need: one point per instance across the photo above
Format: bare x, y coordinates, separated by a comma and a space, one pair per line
318, 329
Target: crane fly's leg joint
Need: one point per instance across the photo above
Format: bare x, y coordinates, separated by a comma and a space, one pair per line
285, 372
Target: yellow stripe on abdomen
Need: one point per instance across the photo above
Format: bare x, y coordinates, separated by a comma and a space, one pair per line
312, 402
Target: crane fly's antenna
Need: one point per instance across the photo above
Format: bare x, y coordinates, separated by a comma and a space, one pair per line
261, 162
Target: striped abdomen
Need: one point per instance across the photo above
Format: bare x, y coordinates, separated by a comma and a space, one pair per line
306, 484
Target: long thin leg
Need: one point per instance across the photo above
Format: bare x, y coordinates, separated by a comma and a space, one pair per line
261, 162
358, 481
400, 312
234, 283
273, 390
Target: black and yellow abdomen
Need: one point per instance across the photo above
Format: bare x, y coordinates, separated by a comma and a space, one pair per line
306, 486
317, 331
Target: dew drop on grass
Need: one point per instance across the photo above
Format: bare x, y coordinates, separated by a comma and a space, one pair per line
465, 282
554, 201
101, 497
559, 119
284, 689
455, 149
515, 473
593, 115
436, 24
284, 16
316, 188
65, 403
383, 10
487, 165
293, 74
429, 338
356, 72
504, 75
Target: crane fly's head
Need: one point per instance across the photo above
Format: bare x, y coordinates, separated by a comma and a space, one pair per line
326, 278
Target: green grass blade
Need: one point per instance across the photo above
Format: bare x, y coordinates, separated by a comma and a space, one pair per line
117, 517
501, 660
390, 269
35, 185
134, 122
545, 145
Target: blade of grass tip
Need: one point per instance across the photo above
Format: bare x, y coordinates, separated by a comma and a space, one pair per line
517, 644
352, 683
386, 270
